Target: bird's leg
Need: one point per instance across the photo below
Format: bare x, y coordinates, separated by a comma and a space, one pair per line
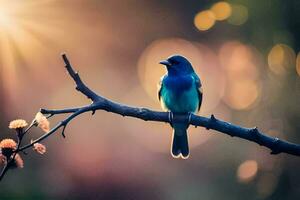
171, 117
189, 117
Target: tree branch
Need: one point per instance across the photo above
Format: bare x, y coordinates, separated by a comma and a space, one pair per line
80, 86
100, 103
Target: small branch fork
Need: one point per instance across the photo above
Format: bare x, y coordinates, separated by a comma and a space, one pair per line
100, 103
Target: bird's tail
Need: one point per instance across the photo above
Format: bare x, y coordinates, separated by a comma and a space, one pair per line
180, 143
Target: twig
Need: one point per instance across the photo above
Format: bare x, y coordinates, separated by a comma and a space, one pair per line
80, 86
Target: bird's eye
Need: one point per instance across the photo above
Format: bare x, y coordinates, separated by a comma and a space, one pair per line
173, 62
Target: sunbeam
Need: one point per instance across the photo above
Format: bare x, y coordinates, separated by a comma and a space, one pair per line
23, 26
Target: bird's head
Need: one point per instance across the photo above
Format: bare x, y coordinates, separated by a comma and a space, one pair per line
177, 65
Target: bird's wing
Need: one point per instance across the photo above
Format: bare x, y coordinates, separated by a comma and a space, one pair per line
199, 89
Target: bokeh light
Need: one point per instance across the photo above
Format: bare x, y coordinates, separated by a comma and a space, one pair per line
212, 77
5, 19
205, 20
222, 10
239, 15
298, 64
242, 94
247, 171
240, 65
266, 184
24, 33
238, 60
281, 58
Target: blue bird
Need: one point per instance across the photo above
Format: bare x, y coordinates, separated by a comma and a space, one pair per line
180, 92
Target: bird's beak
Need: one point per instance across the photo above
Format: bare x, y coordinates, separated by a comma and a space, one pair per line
165, 62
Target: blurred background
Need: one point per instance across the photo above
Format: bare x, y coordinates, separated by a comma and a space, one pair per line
245, 51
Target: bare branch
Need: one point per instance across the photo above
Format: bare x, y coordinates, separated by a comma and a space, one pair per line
80, 86
100, 103
59, 125
55, 112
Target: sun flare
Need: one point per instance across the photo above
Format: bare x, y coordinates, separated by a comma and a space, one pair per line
5, 19
22, 26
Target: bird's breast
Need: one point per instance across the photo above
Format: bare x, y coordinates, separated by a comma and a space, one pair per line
179, 95
178, 84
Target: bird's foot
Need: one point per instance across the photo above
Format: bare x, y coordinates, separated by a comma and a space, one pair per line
190, 117
171, 117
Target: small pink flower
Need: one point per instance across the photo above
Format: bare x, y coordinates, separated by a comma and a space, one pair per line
17, 124
8, 144
42, 122
40, 148
18, 161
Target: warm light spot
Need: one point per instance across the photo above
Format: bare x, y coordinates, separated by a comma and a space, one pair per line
298, 64
5, 19
222, 10
241, 56
204, 20
240, 63
238, 60
241, 94
266, 185
281, 58
25, 33
226, 52
247, 171
212, 78
239, 15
